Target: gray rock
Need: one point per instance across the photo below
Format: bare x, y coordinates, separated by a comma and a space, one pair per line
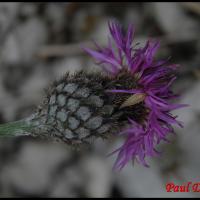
8, 17
31, 171
174, 21
24, 42
28, 9
56, 15
96, 167
191, 97
70, 64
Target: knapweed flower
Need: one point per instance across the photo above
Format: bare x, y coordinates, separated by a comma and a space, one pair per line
133, 99
152, 79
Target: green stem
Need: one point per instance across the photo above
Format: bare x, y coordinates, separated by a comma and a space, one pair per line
16, 128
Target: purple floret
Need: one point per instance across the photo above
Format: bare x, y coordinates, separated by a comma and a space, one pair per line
154, 80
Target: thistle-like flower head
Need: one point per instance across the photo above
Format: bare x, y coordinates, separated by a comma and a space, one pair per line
153, 78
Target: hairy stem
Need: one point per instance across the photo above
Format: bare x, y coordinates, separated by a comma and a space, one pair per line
16, 128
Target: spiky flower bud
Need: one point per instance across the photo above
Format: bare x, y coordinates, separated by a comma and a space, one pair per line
79, 108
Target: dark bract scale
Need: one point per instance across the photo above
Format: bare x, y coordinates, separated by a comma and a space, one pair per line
70, 88
61, 100
94, 122
62, 115
103, 129
82, 92
73, 123
52, 110
83, 113
60, 126
82, 132
68, 134
72, 104
95, 100
52, 99
107, 109
60, 87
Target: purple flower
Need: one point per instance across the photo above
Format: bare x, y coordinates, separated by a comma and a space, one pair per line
154, 79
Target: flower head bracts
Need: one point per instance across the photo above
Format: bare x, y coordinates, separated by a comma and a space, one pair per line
154, 79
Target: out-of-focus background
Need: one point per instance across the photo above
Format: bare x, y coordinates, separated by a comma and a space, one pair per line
39, 42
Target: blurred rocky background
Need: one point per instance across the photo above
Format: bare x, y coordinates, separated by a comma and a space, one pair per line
39, 42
